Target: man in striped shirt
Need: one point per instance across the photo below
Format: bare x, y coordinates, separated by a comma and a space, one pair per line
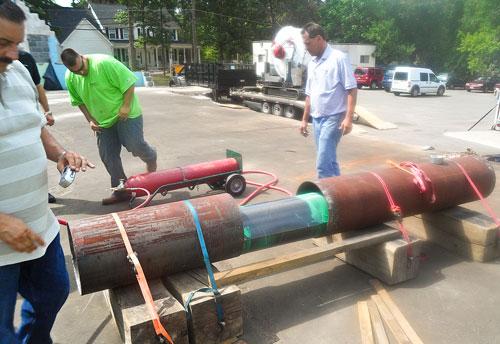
31, 257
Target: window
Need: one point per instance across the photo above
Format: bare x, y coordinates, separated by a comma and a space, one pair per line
261, 58
433, 78
424, 77
364, 59
139, 32
112, 33
401, 76
125, 33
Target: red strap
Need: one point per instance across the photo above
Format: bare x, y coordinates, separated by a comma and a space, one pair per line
485, 203
396, 210
423, 182
143, 283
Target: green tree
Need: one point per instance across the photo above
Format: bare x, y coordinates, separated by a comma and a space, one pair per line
479, 36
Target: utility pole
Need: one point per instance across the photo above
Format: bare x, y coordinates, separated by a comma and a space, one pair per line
131, 40
162, 41
194, 53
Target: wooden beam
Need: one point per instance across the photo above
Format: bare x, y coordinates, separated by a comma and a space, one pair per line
304, 257
133, 319
393, 308
202, 324
365, 325
391, 321
377, 325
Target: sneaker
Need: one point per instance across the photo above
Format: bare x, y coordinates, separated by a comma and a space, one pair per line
117, 197
151, 166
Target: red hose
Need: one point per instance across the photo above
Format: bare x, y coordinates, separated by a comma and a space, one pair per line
263, 187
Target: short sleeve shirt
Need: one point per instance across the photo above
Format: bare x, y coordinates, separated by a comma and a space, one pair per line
102, 89
329, 78
23, 162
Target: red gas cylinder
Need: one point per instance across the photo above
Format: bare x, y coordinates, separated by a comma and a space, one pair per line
180, 177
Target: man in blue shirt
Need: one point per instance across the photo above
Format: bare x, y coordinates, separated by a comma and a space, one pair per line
331, 91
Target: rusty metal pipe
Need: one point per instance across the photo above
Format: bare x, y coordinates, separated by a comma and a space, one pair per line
165, 239
359, 201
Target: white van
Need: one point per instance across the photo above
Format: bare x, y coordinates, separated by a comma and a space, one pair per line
416, 81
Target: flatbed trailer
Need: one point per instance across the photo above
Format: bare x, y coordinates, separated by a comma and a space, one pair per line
278, 101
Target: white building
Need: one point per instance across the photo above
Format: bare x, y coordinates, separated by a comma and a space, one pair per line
87, 40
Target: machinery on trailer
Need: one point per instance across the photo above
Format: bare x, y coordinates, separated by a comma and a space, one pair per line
281, 66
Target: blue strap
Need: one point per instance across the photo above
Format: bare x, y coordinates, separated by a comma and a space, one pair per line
208, 266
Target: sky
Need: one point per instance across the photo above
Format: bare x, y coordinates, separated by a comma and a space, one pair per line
66, 3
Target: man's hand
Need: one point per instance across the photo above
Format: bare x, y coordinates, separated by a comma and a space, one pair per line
346, 125
17, 235
303, 128
94, 126
123, 112
75, 161
50, 118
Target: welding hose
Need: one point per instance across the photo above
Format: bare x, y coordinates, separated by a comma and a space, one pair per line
262, 187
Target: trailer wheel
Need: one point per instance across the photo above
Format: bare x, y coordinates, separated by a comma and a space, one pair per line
277, 110
235, 185
266, 107
290, 111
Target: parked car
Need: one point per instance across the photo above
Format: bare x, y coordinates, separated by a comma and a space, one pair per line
416, 81
483, 84
369, 76
451, 80
387, 82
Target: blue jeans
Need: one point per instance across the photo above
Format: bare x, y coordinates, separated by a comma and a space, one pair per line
327, 136
44, 284
128, 134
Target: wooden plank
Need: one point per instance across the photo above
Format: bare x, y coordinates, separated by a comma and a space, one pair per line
377, 325
390, 321
394, 309
453, 243
365, 325
202, 323
301, 258
388, 261
134, 321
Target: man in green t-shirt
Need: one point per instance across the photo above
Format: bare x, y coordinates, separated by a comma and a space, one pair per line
103, 88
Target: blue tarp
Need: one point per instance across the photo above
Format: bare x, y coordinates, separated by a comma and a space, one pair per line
55, 77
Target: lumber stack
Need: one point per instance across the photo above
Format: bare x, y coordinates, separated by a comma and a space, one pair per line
382, 322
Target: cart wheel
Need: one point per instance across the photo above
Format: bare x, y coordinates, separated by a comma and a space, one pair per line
235, 184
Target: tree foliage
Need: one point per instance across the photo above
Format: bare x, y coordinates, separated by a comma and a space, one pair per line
461, 36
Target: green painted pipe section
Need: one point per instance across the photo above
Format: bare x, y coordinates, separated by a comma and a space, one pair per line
277, 222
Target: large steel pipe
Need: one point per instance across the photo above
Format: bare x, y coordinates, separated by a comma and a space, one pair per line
164, 238
358, 200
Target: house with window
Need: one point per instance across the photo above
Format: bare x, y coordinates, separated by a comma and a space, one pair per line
77, 29
179, 52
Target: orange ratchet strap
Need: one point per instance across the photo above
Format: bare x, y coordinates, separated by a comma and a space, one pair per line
143, 283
